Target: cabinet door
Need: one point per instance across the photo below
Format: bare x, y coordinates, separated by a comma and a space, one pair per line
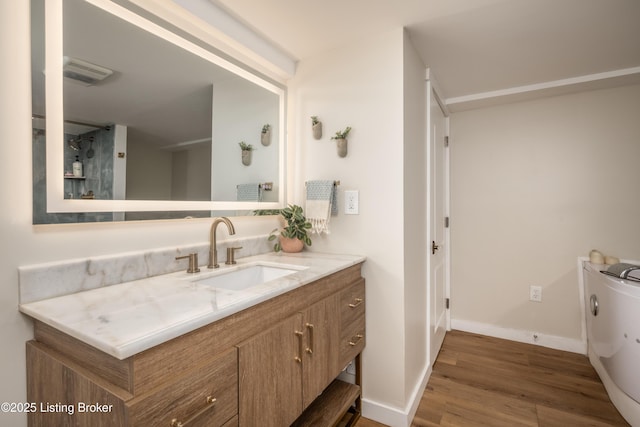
270, 375
322, 339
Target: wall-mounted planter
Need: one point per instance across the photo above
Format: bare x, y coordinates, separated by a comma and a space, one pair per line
341, 141
316, 127
317, 130
265, 136
342, 146
246, 157
246, 152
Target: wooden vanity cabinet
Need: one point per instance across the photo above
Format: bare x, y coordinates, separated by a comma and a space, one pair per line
264, 365
205, 397
285, 368
321, 335
315, 345
270, 380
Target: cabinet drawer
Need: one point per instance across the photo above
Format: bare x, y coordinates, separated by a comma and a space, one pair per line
352, 340
206, 397
352, 303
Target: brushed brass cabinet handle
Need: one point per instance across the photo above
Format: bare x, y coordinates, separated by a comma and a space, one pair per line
311, 346
355, 340
211, 402
298, 358
357, 302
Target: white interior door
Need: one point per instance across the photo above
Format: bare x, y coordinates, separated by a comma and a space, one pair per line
437, 212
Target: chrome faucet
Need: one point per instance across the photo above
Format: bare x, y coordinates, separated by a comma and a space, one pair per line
213, 250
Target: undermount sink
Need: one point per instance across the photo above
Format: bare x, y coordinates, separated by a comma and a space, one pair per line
247, 277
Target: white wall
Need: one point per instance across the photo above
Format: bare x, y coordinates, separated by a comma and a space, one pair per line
361, 86
535, 185
191, 173
240, 109
148, 172
24, 244
15, 179
415, 220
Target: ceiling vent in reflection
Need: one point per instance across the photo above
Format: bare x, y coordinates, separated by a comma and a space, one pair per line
84, 72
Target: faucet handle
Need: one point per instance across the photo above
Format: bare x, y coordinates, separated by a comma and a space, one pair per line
231, 254
193, 262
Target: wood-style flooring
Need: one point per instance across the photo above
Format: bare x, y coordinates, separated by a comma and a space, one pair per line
484, 381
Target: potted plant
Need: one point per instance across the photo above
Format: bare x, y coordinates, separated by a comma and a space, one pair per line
316, 127
341, 141
294, 236
246, 152
265, 136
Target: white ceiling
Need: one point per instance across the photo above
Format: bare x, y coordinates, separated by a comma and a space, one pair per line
472, 46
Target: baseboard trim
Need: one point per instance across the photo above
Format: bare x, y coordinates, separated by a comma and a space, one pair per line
416, 396
519, 335
395, 417
382, 413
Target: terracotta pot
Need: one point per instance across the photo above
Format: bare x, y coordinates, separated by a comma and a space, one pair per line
265, 138
291, 245
246, 157
317, 130
342, 147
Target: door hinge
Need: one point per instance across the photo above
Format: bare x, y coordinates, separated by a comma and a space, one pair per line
447, 303
446, 222
446, 141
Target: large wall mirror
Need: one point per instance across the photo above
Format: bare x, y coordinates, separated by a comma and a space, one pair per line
132, 121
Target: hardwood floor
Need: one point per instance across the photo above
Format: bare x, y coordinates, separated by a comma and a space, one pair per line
484, 381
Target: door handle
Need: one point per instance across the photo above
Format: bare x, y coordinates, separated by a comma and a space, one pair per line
310, 348
298, 358
210, 403
434, 247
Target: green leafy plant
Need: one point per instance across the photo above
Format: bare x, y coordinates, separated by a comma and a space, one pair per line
297, 226
245, 147
342, 134
314, 120
265, 212
266, 128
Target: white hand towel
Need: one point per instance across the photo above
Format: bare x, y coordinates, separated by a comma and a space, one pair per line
319, 202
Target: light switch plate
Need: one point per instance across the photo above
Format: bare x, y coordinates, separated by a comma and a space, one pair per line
351, 202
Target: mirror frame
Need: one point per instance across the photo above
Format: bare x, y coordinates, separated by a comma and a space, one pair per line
56, 203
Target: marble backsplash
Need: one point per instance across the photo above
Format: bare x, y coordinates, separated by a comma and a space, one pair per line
43, 281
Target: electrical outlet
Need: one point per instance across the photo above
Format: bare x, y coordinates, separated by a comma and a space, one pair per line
351, 202
535, 293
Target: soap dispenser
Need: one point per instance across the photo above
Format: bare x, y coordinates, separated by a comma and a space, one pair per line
77, 167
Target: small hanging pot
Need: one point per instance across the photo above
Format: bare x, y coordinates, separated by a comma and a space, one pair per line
265, 137
246, 157
341, 141
317, 130
316, 127
341, 144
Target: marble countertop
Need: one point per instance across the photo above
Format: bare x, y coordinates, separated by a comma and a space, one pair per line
128, 318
